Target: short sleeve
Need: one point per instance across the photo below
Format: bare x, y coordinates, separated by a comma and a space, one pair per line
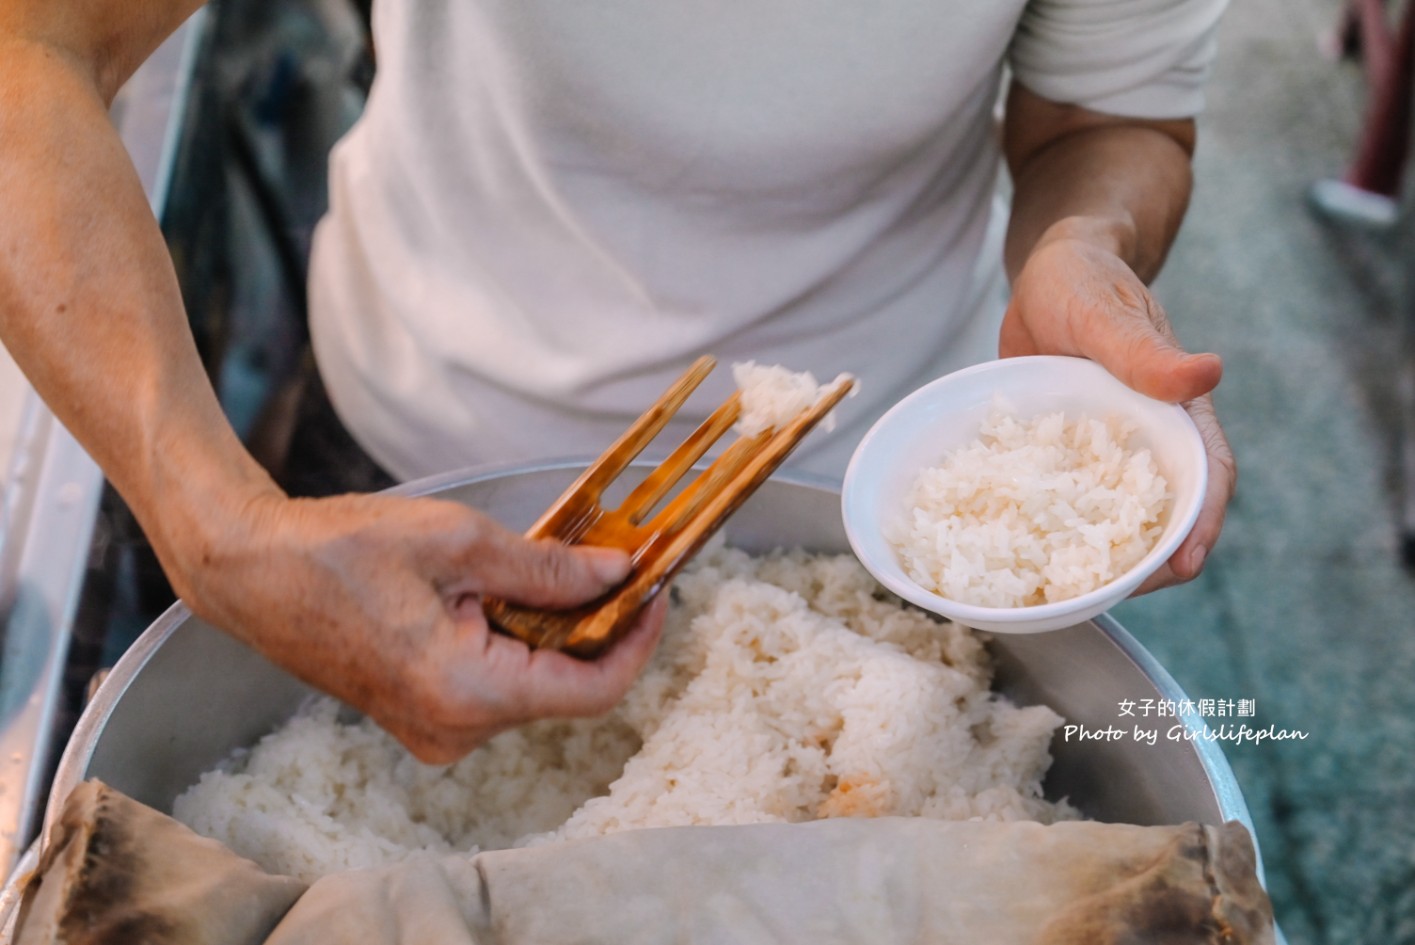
1138, 58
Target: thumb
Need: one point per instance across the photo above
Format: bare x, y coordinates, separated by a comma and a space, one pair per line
538, 573
1140, 349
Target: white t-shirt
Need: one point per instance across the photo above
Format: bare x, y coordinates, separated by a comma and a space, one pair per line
549, 208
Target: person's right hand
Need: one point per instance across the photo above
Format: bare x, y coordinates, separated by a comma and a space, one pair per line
372, 598
376, 600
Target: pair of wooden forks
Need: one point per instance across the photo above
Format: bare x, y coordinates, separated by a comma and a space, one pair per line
659, 545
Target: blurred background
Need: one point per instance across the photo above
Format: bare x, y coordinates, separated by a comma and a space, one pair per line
1307, 606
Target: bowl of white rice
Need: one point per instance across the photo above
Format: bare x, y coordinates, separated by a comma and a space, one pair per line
1023, 495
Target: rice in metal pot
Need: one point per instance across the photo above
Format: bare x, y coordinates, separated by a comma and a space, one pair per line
787, 688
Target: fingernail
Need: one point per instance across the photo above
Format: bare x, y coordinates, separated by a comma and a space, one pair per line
609, 565
1207, 357
1196, 560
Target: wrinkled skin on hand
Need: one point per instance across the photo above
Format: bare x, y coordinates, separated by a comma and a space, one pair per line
376, 600
1075, 298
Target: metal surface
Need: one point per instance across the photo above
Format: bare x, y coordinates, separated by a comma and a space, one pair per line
10, 894
50, 500
149, 109
186, 695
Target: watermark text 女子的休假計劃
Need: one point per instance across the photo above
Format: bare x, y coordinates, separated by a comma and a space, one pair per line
1187, 720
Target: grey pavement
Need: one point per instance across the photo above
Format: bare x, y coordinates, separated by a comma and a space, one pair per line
1304, 606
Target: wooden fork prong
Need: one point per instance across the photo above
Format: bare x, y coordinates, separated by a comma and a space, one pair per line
708, 482
797, 428
766, 449
657, 484
696, 513
743, 467
692, 519
567, 512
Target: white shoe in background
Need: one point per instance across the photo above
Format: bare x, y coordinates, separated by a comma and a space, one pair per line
1347, 203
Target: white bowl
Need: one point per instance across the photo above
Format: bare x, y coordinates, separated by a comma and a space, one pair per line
947, 414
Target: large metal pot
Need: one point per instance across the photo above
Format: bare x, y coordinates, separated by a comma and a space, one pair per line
186, 695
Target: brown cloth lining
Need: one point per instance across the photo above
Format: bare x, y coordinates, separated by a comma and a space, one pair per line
118, 872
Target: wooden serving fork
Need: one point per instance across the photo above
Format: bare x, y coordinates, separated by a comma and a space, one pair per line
661, 545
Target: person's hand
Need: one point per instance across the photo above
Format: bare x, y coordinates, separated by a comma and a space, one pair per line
376, 600
1073, 297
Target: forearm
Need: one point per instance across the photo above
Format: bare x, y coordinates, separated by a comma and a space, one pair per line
90, 307
1123, 186
1097, 203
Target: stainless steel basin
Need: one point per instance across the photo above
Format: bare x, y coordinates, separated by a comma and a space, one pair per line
186, 695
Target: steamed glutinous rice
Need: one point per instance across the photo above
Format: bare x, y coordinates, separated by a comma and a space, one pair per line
1033, 511
773, 396
787, 688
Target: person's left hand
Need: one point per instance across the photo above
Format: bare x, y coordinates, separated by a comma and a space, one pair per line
1072, 297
